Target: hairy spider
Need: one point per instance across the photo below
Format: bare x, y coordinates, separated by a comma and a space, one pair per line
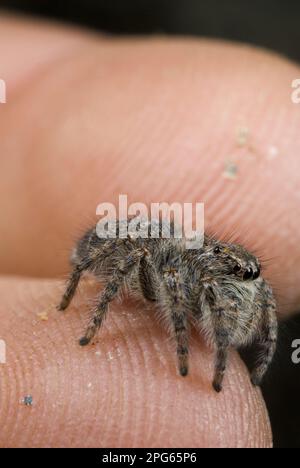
218, 288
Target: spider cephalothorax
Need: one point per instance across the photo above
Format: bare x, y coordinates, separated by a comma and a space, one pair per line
229, 259
217, 287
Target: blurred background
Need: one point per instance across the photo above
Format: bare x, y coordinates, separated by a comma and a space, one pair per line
274, 24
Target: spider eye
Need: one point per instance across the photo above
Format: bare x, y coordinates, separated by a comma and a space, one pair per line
217, 250
256, 273
237, 268
248, 274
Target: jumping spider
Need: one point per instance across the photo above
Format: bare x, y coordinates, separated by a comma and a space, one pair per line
217, 288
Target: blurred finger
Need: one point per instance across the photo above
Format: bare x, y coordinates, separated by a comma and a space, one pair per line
154, 120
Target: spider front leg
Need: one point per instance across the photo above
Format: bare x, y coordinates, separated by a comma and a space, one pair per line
178, 317
267, 341
222, 341
223, 320
110, 291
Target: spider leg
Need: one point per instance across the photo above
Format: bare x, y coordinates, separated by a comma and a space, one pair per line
224, 318
222, 341
70, 289
178, 318
267, 341
149, 278
82, 264
110, 291
73, 283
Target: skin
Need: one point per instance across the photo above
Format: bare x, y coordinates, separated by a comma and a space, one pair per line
88, 118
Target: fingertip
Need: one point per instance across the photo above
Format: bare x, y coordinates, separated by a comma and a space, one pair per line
128, 381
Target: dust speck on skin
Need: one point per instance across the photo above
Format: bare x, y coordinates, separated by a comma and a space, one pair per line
43, 316
98, 353
242, 136
27, 400
230, 171
89, 385
273, 152
109, 356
